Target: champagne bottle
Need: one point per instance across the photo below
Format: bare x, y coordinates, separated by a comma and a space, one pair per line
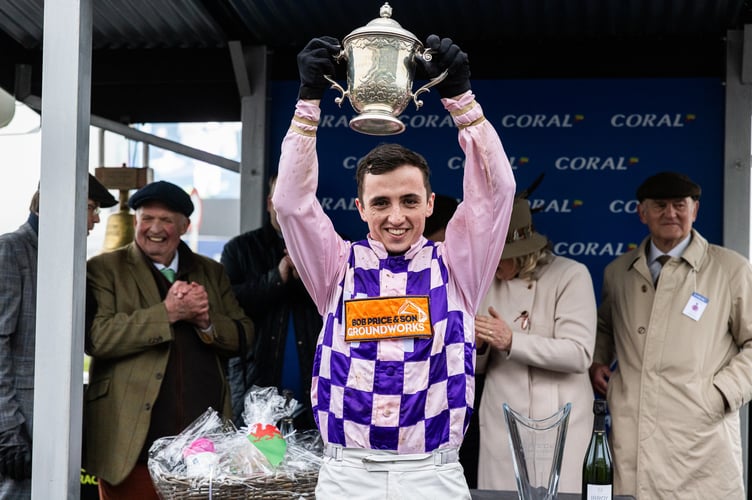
598, 468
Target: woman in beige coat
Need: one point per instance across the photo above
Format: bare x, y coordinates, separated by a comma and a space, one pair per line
535, 336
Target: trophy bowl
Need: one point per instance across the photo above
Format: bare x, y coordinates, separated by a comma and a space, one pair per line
381, 61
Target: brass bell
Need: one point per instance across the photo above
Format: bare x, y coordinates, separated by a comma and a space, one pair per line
120, 228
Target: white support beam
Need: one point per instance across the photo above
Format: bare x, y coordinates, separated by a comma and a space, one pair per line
737, 177
239, 68
61, 282
746, 53
253, 165
737, 149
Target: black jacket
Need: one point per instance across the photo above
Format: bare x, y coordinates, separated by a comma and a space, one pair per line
251, 260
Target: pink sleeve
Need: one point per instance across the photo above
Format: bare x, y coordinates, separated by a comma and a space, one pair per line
476, 233
314, 246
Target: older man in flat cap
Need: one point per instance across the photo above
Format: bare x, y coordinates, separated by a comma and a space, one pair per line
675, 315
18, 285
165, 319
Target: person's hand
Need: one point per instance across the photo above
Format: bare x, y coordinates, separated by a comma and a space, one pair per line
314, 61
493, 330
446, 55
197, 300
599, 375
285, 268
15, 453
189, 302
202, 320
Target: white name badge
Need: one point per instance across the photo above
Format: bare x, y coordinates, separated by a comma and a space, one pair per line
695, 306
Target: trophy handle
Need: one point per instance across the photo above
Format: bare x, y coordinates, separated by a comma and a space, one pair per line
337, 86
431, 83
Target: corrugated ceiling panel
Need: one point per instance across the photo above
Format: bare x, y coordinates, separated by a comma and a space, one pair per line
22, 21
284, 23
154, 24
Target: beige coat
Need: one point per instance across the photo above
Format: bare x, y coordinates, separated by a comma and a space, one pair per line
546, 367
671, 437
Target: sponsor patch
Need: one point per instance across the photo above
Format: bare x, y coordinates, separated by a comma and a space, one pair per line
383, 318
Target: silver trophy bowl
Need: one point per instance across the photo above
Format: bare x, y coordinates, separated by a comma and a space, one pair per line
381, 64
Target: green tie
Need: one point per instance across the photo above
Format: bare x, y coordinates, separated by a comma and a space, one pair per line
168, 273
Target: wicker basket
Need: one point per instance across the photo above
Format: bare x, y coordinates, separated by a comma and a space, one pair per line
262, 486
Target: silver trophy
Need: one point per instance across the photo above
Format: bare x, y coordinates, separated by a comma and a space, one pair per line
380, 69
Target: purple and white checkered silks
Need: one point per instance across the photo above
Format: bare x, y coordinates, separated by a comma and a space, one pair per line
405, 395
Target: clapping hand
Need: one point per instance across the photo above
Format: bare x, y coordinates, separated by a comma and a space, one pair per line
287, 269
189, 302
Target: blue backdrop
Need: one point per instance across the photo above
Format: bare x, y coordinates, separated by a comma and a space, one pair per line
595, 140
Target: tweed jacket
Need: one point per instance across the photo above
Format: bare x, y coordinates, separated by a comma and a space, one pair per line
130, 340
546, 367
672, 437
18, 298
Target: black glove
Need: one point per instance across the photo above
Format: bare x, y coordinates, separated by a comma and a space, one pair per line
15, 453
445, 54
315, 61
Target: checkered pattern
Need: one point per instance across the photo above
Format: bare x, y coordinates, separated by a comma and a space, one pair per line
406, 395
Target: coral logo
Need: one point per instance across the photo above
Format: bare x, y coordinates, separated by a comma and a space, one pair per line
458, 162
651, 120
541, 120
592, 248
623, 206
556, 206
518, 161
595, 162
342, 121
346, 204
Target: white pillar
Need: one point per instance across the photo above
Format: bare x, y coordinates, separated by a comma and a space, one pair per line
736, 167
250, 67
58, 379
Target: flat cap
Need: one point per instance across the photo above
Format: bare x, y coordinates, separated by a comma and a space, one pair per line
100, 194
668, 185
165, 192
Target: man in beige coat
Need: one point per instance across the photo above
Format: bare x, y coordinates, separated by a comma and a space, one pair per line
163, 319
683, 344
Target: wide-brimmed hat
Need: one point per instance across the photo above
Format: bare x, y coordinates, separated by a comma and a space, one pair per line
522, 239
99, 193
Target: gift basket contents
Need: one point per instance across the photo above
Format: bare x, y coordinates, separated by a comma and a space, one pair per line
212, 458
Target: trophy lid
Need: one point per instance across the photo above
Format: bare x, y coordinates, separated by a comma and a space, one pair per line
383, 25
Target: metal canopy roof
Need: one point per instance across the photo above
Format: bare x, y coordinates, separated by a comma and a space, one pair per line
169, 60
